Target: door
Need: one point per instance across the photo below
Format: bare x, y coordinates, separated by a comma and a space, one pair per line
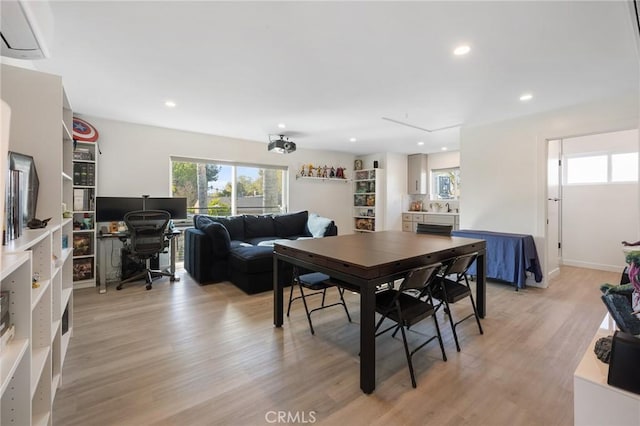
554, 207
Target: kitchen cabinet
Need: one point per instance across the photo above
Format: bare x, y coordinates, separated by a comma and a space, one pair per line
417, 174
410, 220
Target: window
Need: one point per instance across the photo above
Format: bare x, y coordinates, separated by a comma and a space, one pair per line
602, 168
624, 167
225, 189
592, 169
445, 184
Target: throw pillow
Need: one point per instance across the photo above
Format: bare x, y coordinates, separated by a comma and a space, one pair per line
257, 226
219, 236
291, 224
317, 225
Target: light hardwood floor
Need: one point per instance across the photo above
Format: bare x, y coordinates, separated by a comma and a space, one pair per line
184, 354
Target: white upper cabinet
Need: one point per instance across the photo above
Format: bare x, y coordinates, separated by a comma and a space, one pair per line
417, 174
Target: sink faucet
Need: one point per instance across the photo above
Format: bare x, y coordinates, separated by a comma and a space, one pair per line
448, 208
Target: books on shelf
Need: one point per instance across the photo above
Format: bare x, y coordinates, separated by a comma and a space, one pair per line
82, 154
82, 199
14, 221
84, 174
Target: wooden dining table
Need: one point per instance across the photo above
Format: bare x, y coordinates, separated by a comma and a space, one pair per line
362, 262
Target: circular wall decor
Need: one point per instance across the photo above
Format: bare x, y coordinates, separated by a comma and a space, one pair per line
83, 131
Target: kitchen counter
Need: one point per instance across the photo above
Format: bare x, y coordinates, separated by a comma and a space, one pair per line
429, 212
411, 219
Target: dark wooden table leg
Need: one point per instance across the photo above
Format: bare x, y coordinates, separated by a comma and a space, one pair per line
277, 295
481, 284
367, 339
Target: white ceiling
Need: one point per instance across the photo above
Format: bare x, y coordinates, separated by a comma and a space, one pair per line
331, 70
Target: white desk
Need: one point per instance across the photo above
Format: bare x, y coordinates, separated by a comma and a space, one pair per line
594, 401
102, 255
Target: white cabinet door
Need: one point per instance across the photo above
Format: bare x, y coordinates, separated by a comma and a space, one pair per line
417, 174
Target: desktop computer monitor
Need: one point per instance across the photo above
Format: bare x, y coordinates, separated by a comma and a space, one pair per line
113, 209
176, 206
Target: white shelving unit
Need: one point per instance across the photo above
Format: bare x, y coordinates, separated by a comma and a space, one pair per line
85, 174
15, 358
368, 200
42, 313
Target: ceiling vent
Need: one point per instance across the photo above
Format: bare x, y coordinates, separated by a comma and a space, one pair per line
25, 29
281, 145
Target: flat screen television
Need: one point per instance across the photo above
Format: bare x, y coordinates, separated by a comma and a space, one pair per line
113, 209
176, 206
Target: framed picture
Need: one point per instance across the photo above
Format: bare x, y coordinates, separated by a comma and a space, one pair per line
29, 184
357, 165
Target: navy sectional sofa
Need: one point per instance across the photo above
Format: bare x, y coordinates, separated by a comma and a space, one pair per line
240, 248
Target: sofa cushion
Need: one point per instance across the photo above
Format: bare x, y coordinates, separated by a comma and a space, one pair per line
219, 236
317, 225
290, 224
256, 226
252, 260
234, 224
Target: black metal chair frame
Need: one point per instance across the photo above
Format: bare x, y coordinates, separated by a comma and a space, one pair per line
407, 306
451, 291
147, 239
316, 288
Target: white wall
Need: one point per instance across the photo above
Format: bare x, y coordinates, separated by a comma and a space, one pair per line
135, 160
503, 166
597, 217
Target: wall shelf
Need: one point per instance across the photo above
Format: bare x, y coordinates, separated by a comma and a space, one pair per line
323, 179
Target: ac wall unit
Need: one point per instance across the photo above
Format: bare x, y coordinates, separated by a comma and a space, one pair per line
26, 27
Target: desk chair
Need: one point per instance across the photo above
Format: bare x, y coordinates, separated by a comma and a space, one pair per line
407, 306
451, 291
147, 240
428, 228
318, 283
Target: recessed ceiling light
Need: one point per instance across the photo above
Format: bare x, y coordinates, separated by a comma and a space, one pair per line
461, 50
170, 104
352, 139
281, 126
420, 143
526, 97
444, 148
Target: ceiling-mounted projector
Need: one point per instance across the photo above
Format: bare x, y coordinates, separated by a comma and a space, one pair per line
281, 146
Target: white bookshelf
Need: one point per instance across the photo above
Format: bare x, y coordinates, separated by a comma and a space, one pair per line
32, 362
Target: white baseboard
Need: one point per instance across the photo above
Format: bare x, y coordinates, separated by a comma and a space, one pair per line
589, 265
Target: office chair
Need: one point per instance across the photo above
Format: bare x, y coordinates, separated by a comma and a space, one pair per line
428, 228
147, 240
318, 283
406, 308
451, 291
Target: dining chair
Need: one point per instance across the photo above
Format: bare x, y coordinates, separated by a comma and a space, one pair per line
409, 304
450, 291
318, 283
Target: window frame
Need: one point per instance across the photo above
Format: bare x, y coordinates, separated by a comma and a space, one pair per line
609, 165
234, 177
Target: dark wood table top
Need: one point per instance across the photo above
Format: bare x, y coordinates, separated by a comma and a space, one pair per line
377, 254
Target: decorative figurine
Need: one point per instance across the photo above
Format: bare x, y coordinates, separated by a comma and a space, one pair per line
340, 173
